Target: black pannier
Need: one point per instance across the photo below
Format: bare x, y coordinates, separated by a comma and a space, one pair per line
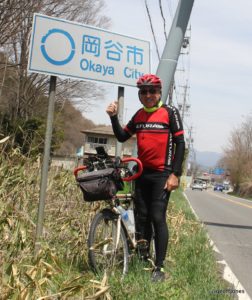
100, 184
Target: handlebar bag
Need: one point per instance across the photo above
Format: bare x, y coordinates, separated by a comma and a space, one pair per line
100, 184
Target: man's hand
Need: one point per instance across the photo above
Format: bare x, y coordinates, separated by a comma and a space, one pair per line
112, 109
171, 183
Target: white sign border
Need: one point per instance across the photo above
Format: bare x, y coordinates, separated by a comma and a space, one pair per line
35, 15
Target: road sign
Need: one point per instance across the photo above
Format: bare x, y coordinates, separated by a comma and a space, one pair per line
218, 171
69, 49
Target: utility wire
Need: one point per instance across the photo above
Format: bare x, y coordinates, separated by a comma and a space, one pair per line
181, 60
164, 21
154, 37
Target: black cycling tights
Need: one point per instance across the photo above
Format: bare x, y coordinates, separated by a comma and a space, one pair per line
151, 204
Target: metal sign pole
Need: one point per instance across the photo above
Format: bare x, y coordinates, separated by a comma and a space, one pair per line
118, 151
45, 164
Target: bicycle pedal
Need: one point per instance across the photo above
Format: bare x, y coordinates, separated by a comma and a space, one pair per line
142, 241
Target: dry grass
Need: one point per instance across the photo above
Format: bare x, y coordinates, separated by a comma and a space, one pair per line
55, 271
60, 270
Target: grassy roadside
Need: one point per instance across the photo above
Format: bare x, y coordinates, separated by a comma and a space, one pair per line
61, 271
239, 196
190, 263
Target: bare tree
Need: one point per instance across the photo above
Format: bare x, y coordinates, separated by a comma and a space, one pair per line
28, 89
73, 136
238, 156
10, 18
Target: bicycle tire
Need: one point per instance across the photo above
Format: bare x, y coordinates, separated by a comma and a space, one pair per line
102, 254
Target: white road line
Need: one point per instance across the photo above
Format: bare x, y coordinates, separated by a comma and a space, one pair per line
221, 196
228, 275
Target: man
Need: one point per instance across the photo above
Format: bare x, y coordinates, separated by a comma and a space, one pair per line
161, 146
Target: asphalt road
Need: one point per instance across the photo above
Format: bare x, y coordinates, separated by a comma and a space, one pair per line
229, 223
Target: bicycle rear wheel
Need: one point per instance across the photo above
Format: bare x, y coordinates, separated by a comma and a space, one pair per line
104, 254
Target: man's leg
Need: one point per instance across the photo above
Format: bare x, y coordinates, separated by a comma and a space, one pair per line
143, 221
159, 203
158, 215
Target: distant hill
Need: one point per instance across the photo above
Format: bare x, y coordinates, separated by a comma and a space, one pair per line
207, 159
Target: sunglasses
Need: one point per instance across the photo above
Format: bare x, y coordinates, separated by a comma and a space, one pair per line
151, 91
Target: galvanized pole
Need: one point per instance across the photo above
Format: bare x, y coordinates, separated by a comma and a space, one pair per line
184, 105
168, 63
45, 164
170, 94
118, 151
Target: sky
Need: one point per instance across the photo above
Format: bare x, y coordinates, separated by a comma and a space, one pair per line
218, 66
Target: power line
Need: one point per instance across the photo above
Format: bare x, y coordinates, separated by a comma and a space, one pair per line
154, 37
164, 21
180, 80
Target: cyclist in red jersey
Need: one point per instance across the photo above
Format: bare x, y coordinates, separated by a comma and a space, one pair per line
161, 147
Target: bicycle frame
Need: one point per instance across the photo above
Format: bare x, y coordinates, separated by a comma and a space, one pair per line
131, 237
122, 237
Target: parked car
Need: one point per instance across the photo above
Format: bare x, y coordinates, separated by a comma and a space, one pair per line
219, 187
226, 186
197, 186
204, 185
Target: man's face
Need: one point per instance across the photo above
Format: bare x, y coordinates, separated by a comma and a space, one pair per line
149, 96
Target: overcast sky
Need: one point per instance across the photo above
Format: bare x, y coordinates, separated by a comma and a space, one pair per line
218, 67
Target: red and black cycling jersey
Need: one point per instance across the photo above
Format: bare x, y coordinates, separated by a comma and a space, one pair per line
157, 133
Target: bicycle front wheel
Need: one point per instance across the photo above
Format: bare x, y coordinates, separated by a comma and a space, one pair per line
108, 248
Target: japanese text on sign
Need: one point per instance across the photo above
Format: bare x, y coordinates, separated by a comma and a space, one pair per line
74, 50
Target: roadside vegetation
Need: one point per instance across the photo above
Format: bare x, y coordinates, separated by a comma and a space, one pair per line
239, 196
61, 271
24, 96
237, 159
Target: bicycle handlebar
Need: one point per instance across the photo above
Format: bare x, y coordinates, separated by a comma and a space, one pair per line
81, 168
127, 159
140, 168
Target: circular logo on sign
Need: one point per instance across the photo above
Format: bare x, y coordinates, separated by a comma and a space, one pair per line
52, 60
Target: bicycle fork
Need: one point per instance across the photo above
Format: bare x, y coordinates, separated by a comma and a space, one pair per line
118, 231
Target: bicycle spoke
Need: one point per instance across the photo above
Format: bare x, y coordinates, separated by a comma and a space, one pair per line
108, 250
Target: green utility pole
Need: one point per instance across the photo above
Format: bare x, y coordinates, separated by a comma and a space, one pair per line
168, 63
